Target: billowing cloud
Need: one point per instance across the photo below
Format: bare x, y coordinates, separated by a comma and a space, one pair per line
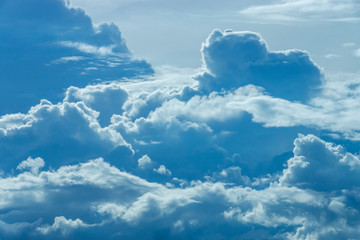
33, 164
279, 209
145, 162
63, 225
216, 155
321, 166
48, 46
233, 59
69, 130
162, 170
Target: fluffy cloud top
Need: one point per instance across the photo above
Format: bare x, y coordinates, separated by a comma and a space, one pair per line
144, 162
321, 166
234, 59
69, 130
33, 164
276, 209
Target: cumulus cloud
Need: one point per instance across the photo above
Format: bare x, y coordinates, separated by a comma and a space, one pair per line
65, 226
233, 59
69, 130
320, 165
107, 99
227, 135
33, 164
278, 210
62, 48
171, 122
162, 170
144, 162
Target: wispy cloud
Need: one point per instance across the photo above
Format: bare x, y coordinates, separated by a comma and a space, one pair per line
90, 49
331, 55
357, 52
305, 10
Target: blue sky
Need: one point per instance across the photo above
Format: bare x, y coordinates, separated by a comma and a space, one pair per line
152, 119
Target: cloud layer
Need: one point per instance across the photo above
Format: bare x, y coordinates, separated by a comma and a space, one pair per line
256, 145
284, 205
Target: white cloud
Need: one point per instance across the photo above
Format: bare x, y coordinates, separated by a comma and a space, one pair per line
162, 170
320, 165
189, 130
65, 226
305, 10
292, 209
105, 98
233, 59
95, 172
144, 162
68, 51
335, 108
33, 164
348, 44
90, 49
68, 59
331, 55
67, 125
357, 52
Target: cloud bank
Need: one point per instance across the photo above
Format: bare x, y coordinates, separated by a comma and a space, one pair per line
256, 145
284, 205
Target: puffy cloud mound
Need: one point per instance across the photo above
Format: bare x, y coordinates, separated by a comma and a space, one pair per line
321, 166
234, 59
33, 164
144, 162
95, 200
63, 225
47, 46
67, 130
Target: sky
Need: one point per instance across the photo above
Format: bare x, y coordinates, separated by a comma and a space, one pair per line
154, 119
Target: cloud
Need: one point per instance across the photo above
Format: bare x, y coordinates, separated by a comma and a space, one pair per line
162, 170
121, 201
89, 49
33, 164
305, 10
348, 44
331, 56
323, 111
150, 114
357, 52
321, 166
227, 135
233, 59
69, 130
61, 48
144, 162
65, 226
107, 99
